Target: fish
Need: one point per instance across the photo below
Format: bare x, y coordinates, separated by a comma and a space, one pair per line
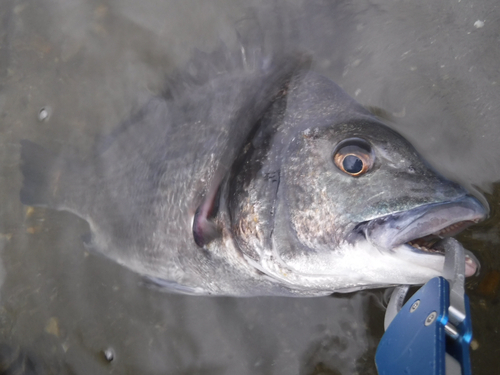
254, 175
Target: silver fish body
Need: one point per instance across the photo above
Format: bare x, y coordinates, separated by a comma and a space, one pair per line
257, 180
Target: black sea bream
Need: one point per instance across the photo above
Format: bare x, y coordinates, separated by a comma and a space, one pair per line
260, 178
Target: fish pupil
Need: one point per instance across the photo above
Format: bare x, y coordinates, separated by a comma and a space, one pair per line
352, 164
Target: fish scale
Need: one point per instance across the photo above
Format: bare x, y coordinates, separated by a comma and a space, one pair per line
231, 183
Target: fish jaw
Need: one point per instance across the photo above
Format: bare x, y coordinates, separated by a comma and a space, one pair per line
378, 253
351, 267
440, 219
411, 235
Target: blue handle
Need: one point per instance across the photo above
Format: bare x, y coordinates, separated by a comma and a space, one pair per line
421, 340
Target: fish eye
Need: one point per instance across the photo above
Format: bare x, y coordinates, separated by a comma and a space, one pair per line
353, 157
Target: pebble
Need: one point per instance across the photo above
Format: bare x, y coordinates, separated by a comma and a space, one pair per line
478, 24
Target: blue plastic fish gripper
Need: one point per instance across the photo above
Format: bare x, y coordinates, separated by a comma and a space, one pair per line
432, 332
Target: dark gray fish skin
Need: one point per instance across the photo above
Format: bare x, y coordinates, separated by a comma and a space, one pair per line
226, 185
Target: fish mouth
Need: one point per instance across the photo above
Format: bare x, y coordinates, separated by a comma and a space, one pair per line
420, 230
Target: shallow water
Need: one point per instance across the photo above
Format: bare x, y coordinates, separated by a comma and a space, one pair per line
90, 63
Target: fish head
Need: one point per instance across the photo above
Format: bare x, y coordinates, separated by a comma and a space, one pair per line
346, 205
358, 203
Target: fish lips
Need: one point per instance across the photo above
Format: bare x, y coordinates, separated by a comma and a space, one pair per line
430, 221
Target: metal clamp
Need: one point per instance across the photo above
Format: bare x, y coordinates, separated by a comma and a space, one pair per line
431, 333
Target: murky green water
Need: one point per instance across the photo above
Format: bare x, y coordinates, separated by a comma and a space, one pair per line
91, 63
